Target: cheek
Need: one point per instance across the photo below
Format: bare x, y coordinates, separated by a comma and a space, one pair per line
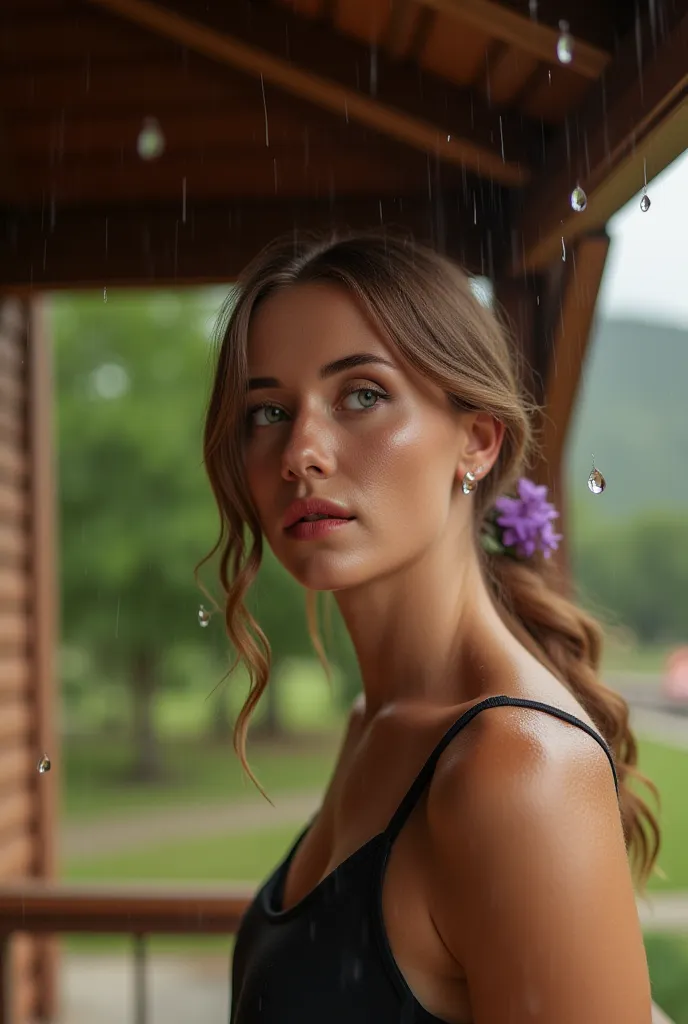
405, 461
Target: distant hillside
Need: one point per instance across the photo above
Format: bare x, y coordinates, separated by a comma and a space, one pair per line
632, 414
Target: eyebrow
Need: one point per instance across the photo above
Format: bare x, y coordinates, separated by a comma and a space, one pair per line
328, 370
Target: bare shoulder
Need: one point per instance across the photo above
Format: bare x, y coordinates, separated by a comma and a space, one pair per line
530, 876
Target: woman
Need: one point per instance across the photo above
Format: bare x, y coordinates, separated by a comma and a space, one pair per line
469, 860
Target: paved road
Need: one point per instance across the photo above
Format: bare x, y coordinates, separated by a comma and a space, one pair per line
120, 833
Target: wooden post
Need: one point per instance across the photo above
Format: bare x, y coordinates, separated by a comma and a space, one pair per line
45, 602
570, 322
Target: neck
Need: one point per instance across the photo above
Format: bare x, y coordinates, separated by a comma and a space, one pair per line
425, 634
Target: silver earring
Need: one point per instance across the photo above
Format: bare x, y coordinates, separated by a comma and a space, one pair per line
469, 482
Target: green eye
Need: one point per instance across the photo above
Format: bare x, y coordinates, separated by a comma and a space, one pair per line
267, 411
367, 397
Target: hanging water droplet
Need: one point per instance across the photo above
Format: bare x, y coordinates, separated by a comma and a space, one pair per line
468, 483
43, 765
203, 617
104, 294
564, 44
596, 482
151, 141
579, 200
645, 203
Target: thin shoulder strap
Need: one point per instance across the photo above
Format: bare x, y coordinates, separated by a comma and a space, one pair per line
425, 774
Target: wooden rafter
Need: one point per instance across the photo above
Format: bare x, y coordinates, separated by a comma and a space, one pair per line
332, 72
634, 123
520, 31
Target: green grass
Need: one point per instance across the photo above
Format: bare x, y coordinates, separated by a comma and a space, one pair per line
96, 774
667, 957
668, 769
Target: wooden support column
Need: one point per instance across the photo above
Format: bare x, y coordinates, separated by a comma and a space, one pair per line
45, 605
28, 712
570, 334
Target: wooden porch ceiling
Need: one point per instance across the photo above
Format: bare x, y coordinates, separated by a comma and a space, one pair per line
453, 113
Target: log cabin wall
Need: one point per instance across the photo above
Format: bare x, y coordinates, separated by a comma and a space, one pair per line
27, 634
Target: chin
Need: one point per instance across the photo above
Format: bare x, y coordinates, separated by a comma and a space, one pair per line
323, 570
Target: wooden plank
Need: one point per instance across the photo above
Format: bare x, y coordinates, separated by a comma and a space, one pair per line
158, 84
521, 31
16, 718
11, 360
15, 629
304, 59
83, 35
251, 174
508, 70
631, 118
17, 764
11, 322
400, 27
14, 671
13, 503
152, 245
11, 393
16, 811
11, 434
16, 856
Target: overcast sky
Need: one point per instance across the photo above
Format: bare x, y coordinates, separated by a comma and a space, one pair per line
647, 268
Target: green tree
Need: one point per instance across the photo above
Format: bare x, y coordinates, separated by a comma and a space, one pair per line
636, 572
136, 510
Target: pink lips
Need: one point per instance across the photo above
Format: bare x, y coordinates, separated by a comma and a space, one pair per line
314, 529
315, 507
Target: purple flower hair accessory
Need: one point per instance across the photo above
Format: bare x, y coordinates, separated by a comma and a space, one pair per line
525, 523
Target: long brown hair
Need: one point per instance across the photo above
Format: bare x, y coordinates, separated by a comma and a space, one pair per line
425, 306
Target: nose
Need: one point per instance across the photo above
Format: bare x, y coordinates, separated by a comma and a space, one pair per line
309, 451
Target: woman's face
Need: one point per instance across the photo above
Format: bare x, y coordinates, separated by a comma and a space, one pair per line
375, 438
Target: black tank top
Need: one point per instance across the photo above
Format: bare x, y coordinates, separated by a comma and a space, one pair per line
327, 960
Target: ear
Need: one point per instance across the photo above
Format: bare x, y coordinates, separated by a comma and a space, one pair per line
484, 436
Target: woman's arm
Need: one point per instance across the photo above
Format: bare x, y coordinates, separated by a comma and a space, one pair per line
532, 892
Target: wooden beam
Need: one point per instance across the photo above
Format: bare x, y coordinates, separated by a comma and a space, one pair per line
399, 29
333, 72
521, 31
636, 116
154, 247
570, 339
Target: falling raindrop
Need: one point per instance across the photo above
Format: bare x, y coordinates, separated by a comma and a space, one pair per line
645, 203
564, 44
43, 765
104, 294
579, 200
563, 249
596, 482
203, 617
183, 200
265, 111
468, 483
151, 141
533, 9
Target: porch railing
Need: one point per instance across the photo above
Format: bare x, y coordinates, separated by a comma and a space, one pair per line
140, 911
147, 909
